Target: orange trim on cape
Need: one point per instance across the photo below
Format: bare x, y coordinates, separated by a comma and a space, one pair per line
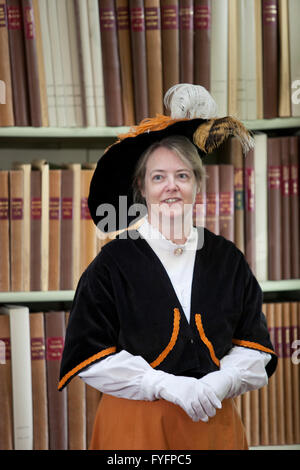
205, 340
252, 345
87, 362
172, 342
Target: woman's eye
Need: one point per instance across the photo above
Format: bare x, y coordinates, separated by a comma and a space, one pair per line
157, 177
183, 175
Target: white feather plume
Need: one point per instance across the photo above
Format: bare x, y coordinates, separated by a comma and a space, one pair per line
190, 101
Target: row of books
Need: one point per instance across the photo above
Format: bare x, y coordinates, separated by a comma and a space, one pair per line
75, 63
36, 416
271, 415
48, 237
253, 200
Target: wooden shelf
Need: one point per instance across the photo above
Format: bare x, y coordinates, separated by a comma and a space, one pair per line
112, 132
67, 295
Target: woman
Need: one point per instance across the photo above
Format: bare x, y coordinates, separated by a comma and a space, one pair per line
167, 320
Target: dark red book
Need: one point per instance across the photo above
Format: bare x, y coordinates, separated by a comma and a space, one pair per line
186, 40
270, 58
202, 28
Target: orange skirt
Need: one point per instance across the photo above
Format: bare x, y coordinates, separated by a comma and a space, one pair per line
122, 424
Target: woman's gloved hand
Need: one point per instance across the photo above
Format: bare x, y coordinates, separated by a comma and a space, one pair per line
195, 397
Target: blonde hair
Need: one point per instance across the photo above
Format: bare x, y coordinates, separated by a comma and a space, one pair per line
185, 150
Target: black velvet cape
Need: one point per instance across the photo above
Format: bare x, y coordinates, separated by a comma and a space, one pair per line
125, 300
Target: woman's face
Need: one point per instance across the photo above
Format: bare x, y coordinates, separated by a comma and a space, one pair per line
170, 186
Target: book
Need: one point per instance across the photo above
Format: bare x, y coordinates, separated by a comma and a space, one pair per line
75, 63
16, 216
96, 59
246, 52
287, 372
202, 35
186, 41
21, 375
66, 230
57, 63
250, 209
54, 228
84, 51
294, 38
284, 99
279, 377
219, 55
259, 59
285, 208
154, 57
111, 64
272, 386
40, 222
232, 57
39, 383
57, 401
40, 65
87, 227
261, 215
18, 65
274, 209
226, 201
294, 200
32, 63
48, 63
26, 169
139, 62
212, 221
270, 58
170, 43
6, 418
4, 232
295, 325
125, 57
6, 93
65, 55
233, 155
76, 399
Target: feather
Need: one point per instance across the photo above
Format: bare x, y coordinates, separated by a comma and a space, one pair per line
190, 101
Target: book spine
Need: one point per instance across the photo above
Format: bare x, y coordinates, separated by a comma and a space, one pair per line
250, 208
170, 43
186, 40
219, 55
294, 40
285, 204
84, 48
259, 59
6, 421
226, 211
284, 99
16, 205
111, 64
279, 378
232, 57
21, 378
57, 401
41, 66
294, 199
287, 372
6, 94
66, 234
39, 385
4, 233
274, 209
36, 218
54, 228
18, 66
87, 227
154, 57
272, 386
212, 221
295, 325
32, 63
96, 54
202, 28
270, 57
138, 45
124, 44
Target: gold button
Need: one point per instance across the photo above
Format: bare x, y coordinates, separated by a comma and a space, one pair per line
178, 251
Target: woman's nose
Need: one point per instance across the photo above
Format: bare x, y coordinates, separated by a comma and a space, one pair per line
171, 183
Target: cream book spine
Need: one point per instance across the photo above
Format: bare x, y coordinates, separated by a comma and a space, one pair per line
21, 375
219, 55
261, 206
294, 38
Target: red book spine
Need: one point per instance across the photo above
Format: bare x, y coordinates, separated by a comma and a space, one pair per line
270, 58
186, 40
202, 27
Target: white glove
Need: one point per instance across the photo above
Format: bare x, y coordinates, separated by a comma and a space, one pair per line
196, 398
225, 383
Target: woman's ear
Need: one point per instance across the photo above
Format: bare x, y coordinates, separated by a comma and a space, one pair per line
141, 187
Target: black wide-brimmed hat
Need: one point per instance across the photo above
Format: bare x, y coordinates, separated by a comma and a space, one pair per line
113, 175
